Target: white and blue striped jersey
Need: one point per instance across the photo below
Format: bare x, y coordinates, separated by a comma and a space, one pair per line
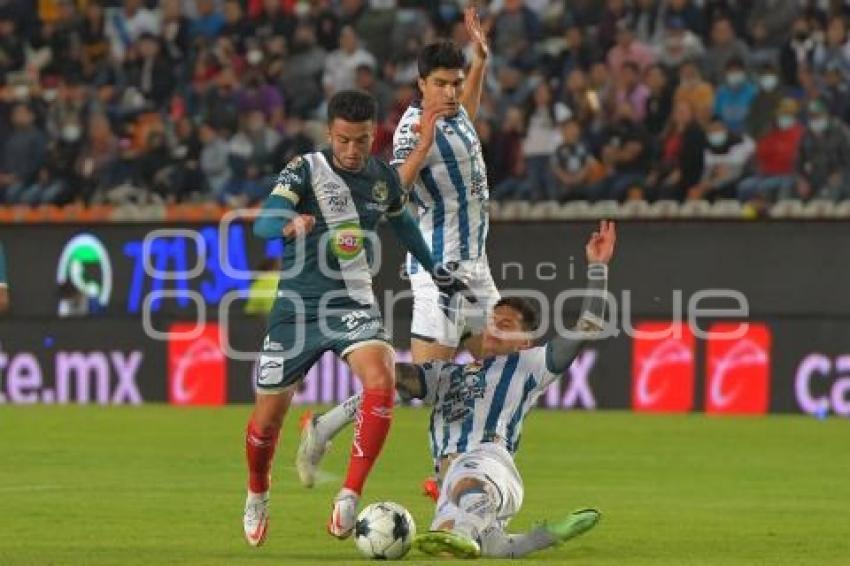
450, 191
484, 401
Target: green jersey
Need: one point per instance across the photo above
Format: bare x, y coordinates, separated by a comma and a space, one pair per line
332, 265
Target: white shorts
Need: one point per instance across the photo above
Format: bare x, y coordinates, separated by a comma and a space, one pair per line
492, 464
448, 325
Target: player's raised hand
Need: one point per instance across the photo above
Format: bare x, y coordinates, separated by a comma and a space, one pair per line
600, 247
299, 226
476, 33
428, 122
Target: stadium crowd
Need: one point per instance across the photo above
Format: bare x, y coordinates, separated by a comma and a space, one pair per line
197, 100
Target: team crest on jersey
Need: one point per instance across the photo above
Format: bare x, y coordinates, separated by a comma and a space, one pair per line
380, 191
347, 240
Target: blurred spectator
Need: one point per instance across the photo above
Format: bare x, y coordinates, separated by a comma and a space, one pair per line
251, 150
628, 49
326, 23
71, 106
176, 32
208, 22
775, 16
121, 181
681, 163
824, 160
235, 27
688, 14
679, 45
573, 165
762, 53
24, 153
294, 141
508, 166
95, 43
834, 53
516, 29
125, 25
776, 158
612, 20
367, 81
631, 91
341, 65
256, 95
835, 92
215, 159
302, 72
11, 46
577, 53
727, 156
627, 158
97, 152
149, 72
580, 99
725, 47
542, 116
271, 20
763, 109
735, 96
695, 91
660, 100
646, 22
798, 51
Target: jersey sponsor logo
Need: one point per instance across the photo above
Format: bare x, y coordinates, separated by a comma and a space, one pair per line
663, 370
380, 191
347, 240
197, 369
737, 371
337, 201
84, 264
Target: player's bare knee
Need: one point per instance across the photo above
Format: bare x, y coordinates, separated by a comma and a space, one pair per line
378, 377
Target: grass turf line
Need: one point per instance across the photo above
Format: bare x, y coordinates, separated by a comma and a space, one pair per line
161, 485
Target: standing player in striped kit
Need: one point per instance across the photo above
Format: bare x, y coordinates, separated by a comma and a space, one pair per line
436, 151
477, 416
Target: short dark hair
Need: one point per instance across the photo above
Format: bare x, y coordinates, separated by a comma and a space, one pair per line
530, 317
352, 106
440, 55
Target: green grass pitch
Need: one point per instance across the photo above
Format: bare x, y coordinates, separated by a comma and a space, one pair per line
160, 485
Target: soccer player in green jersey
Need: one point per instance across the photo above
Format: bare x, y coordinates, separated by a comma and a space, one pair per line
327, 205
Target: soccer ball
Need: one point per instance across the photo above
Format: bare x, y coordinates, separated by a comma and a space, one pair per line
384, 531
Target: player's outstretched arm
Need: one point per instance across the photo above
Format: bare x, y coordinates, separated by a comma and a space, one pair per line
562, 350
471, 97
407, 231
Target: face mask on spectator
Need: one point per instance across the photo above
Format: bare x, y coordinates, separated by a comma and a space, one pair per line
735, 78
769, 82
818, 125
717, 139
21, 92
71, 132
255, 56
785, 121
